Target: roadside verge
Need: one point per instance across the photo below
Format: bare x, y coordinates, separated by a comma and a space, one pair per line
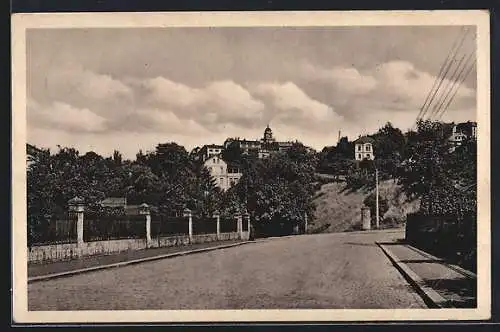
133, 261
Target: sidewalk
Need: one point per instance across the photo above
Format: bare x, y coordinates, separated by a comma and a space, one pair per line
37, 270
442, 284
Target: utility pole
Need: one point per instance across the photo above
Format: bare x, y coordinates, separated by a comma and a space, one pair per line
376, 199
305, 226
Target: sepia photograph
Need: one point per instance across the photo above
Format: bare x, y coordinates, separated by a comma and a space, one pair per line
203, 167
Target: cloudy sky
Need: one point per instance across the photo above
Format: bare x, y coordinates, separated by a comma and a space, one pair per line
129, 89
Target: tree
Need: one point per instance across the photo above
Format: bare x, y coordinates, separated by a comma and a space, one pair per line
278, 191
432, 172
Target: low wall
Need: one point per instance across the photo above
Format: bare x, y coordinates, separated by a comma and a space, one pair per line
61, 252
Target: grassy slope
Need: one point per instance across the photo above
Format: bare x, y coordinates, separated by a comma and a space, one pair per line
339, 209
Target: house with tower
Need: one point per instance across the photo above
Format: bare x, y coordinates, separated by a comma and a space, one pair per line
227, 175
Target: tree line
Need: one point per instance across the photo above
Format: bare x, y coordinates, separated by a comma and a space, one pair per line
420, 160
170, 179
277, 191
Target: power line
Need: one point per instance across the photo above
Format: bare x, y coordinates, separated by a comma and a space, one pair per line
452, 87
443, 66
456, 90
450, 83
446, 73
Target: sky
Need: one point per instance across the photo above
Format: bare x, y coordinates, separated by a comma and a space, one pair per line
129, 89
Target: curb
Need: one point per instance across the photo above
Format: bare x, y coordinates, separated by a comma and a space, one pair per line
135, 261
429, 295
456, 268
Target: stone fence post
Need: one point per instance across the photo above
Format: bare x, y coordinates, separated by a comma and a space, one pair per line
77, 204
365, 218
246, 219
216, 215
239, 227
145, 210
189, 215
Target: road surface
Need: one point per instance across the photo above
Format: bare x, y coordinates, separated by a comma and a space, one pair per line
327, 271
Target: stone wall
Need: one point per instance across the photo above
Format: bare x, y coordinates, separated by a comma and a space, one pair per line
60, 252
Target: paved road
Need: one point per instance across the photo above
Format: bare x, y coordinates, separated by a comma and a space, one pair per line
327, 271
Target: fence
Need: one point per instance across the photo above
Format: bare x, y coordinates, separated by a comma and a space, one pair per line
449, 236
101, 227
204, 225
164, 225
57, 229
228, 225
103, 224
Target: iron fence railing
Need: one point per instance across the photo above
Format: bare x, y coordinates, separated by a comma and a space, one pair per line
228, 225
164, 225
98, 227
57, 229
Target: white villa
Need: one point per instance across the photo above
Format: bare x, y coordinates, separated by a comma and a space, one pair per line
363, 148
225, 176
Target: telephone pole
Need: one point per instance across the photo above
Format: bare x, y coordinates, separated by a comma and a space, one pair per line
376, 199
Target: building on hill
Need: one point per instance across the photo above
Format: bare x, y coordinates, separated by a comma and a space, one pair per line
462, 132
225, 175
363, 148
262, 148
211, 150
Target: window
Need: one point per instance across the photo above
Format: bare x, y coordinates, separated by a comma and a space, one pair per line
222, 169
359, 147
367, 147
359, 155
367, 156
222, 182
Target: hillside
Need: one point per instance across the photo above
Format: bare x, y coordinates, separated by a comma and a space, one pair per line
338, 209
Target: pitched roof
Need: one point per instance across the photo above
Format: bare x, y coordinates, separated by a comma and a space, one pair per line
214, 146
363, 140
115, 201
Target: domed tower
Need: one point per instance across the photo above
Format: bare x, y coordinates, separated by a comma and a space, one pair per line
268, 135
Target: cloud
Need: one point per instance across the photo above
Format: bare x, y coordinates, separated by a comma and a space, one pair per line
406, 87
73, 81
293, 106
343, 79
162, 121
393, 85
212, 105
64, 116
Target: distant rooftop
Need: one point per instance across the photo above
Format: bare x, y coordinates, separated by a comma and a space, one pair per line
114, 201
363, 140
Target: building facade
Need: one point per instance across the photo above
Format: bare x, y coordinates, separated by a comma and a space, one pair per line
262, 148
462, 132
363, 149
211, 150
225, 176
